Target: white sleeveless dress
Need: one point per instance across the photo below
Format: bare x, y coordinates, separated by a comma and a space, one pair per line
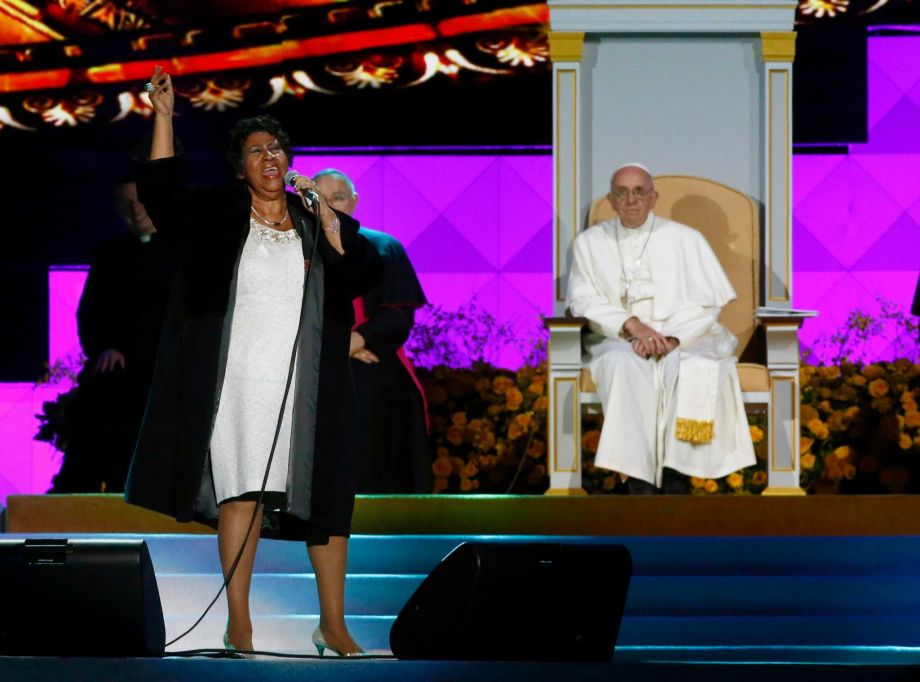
265, 316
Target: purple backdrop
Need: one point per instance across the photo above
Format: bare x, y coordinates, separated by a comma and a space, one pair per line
480, 225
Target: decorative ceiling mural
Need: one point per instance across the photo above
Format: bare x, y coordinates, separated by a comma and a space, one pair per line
67, 63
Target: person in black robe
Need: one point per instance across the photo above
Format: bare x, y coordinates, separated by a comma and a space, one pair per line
118, 320
391, 417
172, 471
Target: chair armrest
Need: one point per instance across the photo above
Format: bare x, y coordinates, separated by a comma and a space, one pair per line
565, 342
783, 316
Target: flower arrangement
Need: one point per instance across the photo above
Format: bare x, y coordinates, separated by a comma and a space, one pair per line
489, 429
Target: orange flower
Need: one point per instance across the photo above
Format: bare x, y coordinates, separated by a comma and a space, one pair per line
469, 470
873, 371
537, 448
829, 373
857, 380
838, 421
697, 482
735, 480
806, 372
710, 486
477, 425
514, 398
818, 428
524, 420
905, 442
442, 467
538, 385
609, 483
514, 431
502, 383
912, 419
845, 393
454, 435
807, 413
878, 388
757, 434
808, 461
590, 440
541, 404
825, 406
440, 485
467, 484
442, 451
458, 419
849, 472
457, 463
759, 477
805, 444
485, 440
495, 409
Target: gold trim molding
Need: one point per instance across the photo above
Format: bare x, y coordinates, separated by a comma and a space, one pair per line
778, 46
566, 47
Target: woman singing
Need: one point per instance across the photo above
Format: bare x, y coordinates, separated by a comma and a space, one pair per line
249, 276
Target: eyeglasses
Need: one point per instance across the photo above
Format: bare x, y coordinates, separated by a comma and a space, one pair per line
273, 149
623, 193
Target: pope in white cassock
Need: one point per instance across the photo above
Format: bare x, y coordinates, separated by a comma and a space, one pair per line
665, 369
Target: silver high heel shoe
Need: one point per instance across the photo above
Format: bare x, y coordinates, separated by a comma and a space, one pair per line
320, 643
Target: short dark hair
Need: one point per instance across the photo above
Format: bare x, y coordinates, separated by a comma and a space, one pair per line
246, 127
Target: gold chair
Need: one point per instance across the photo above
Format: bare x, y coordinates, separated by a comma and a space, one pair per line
730, 221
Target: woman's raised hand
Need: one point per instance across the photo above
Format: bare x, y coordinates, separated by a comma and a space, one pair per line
160, 89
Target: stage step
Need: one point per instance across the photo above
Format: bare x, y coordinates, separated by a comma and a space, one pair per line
685, 592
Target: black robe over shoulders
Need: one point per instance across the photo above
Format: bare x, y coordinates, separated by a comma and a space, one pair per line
170, 472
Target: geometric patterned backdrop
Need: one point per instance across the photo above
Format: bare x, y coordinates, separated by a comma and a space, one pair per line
857, 215
473, 225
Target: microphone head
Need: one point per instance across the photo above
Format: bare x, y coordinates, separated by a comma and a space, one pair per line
290, 177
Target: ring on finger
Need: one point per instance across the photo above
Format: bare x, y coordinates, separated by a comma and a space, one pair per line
149, 87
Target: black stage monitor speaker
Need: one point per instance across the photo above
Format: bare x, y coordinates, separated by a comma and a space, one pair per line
517, 601
79, 598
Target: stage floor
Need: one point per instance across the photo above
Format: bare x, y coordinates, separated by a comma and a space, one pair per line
602, 515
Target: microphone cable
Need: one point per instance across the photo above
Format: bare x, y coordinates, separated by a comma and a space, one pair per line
271, 454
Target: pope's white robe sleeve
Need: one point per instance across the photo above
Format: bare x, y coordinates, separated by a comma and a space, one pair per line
585, 299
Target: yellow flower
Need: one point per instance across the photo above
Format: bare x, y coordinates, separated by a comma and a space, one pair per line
843, 452
735, 480
807, 413
458, 419
818, 428
878, 388
710, 486
905, 442
697, 482
808, 461
757, 434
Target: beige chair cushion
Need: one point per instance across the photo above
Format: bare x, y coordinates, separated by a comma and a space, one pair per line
754, 378
730, 222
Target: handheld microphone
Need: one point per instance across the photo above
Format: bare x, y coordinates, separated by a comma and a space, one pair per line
308, 194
